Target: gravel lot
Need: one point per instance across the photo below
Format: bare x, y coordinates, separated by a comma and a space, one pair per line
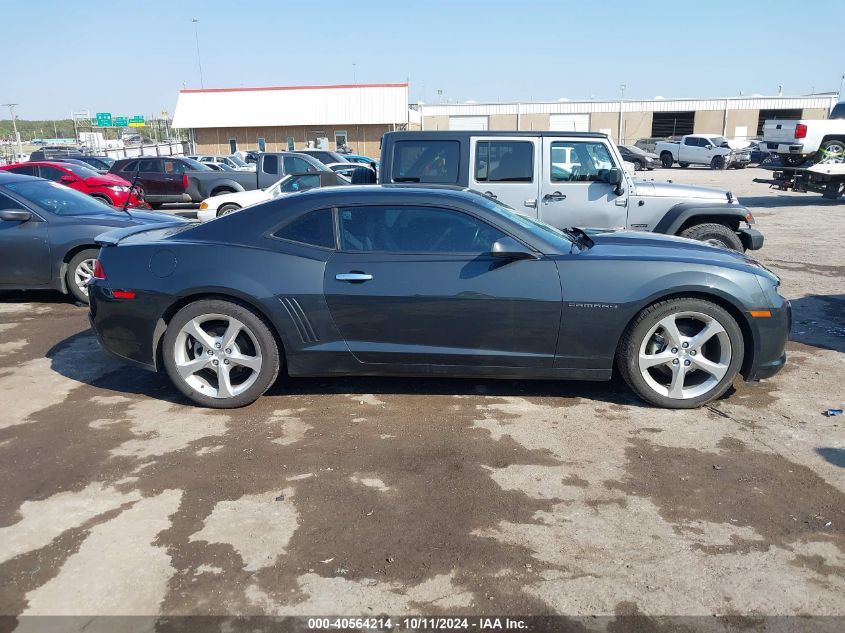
367, 496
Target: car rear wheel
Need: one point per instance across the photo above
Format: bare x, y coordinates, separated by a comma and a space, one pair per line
681, 353
80, 270
715, 235
832, 151
220, 354
226, 209
666, 160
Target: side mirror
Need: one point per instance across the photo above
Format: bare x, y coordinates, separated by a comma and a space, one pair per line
15, 215
509, 248
708, 146
613, 176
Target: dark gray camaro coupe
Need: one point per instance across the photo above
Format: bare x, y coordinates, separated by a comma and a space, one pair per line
399, 280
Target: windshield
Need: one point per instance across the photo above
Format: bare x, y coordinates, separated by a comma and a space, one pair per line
79, 170
195, 165
58, 199
542, 230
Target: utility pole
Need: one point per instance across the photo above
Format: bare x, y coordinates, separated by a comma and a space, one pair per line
11, 107
621, 97
199, 60
354, 78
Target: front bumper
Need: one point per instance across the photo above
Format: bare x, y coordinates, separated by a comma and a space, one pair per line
752, 239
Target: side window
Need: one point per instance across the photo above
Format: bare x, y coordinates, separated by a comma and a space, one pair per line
51, 173
149, 166
691, 140
173, 167
130, 166
7, 203
315, 228
301, 183
398, 229
24, 170
270, 165
426, 161
504, 161
296, 165
579, 161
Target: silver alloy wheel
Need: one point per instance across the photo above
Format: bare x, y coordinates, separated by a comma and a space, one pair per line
685, 355
217, 355
83, 274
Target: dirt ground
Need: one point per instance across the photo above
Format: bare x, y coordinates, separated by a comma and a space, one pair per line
425, 496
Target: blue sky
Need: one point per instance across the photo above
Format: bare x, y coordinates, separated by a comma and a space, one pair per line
95, 55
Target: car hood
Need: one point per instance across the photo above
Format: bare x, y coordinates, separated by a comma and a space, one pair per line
657, 189
133, 218
637, 245
106, 180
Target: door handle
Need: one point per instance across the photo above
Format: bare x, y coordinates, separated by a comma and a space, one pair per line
491, 195
353, 277
531, 203
557, 196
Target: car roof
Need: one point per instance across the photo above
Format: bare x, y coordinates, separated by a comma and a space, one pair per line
465, 134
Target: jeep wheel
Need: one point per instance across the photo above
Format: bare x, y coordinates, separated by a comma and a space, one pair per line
718, 162
715, 235
681, 353
666, 160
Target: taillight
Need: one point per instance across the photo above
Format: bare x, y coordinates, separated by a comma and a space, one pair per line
800, 131
185, 182
99, 271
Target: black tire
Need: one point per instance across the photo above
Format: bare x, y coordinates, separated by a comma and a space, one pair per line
833, 148
683, 165
718, 162
226, 209
741, 165
715, 234
638, 165
262, 339
637, 337
791, 160
72, 279
666, 160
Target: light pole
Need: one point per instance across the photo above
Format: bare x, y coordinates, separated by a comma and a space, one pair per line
199, 60
11, 107
354, 78
841, 79
621, 97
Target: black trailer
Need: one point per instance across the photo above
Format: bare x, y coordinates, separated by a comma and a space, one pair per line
827, 179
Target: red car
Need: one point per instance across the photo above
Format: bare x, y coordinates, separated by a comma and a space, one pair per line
106, 188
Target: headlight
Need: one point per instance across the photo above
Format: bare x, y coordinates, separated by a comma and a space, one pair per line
119, 188
203, 205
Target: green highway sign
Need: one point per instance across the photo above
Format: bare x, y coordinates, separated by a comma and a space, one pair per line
136, 121
121, 121
103, 119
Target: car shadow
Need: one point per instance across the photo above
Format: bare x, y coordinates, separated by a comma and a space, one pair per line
80, 358
785, 200
819, 321
835, 456
37, 296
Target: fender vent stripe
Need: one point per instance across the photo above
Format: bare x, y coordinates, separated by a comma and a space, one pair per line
300, 319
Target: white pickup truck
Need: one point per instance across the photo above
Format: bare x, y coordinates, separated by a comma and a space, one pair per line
702, 149
796, 141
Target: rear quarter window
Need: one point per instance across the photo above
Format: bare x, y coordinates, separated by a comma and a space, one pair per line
426, 161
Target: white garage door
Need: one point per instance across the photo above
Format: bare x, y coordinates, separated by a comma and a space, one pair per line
470, 123
569, 122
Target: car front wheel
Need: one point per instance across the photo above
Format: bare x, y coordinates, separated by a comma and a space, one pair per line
80, 270
226, 209
220, 354
681, 353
